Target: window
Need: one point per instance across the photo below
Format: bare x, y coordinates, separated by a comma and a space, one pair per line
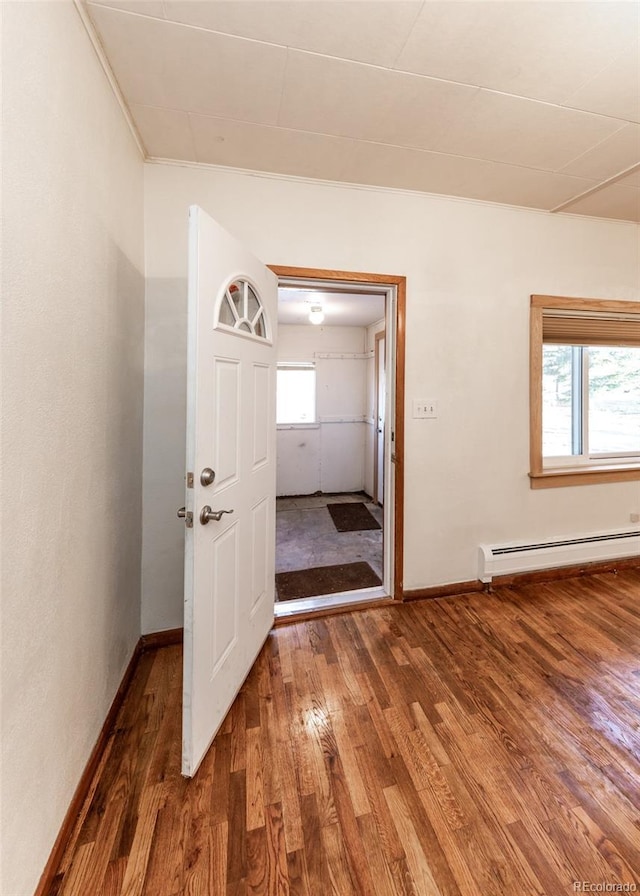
296, 393
240, 309
585, 391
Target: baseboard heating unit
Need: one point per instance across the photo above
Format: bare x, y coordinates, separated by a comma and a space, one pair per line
517, 557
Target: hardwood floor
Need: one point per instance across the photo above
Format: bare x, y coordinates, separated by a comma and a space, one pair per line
478, 745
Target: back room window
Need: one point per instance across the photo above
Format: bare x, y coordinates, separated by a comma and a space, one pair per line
296, 393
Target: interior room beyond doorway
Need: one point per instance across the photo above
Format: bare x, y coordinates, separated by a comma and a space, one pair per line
329, 527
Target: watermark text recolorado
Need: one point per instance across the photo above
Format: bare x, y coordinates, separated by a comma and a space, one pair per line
589, 886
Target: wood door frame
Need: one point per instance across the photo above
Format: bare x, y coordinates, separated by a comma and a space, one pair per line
376, 411
400, 284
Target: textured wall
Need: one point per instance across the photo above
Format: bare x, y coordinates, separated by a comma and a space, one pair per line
72, 360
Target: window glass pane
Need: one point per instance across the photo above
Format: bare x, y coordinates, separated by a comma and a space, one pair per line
557, 400
296, 395
253, 303
236, 294
614, 399
226, 315
259, 326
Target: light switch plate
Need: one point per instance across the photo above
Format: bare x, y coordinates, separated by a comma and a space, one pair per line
425, 408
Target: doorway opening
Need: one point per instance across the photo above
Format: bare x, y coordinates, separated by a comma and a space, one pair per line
339, 440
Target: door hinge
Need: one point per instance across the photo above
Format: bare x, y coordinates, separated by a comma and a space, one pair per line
189, 480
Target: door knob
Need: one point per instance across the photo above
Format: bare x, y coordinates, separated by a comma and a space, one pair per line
207, 514
207, 476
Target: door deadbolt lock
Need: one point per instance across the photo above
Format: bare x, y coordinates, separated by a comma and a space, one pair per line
187, 516
207, 477
207, 514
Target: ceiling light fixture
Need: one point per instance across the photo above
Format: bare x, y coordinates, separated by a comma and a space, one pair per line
316, 314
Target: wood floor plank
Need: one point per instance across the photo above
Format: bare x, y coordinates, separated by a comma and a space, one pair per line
417, 861
481, 744
297, 874
284, 757
349, 842
114, 877
316, 864
255, 790
238, 733
388, 839
380, 869
165, 873
237, 848
79, 869
138, 858
337, 861
355, 785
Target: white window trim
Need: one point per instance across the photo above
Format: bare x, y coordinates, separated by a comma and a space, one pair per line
301, 365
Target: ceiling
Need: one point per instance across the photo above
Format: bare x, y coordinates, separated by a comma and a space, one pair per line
533, 104
341, 309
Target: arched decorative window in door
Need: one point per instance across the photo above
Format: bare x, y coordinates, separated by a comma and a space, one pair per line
240, 308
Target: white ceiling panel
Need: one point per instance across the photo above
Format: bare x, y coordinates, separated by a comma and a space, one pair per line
368, 31
524, 132
153, 8
614, 91
131, 43
540, 50
165, 132
458, 176
332, 96
514, 101
606, 159
162, 64
632, 180
615, 201
243, 145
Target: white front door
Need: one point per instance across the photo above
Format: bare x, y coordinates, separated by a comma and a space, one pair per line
230, 483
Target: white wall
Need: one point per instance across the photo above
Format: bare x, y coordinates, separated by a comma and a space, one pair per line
72, 365
470, 269
330, 457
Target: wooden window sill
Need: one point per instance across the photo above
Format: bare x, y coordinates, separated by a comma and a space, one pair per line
591, 475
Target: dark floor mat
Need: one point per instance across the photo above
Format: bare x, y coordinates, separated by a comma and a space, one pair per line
352, 517
324, 580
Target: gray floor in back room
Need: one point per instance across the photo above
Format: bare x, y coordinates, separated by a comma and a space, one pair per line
306, 536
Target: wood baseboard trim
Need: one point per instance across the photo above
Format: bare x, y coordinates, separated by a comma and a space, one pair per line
168, 638
523, 578
152, 641
443, 590
565, 572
